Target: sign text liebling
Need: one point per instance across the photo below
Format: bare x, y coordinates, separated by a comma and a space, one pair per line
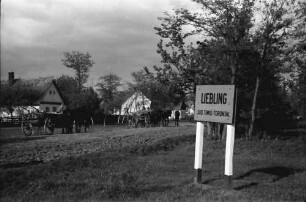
215, 103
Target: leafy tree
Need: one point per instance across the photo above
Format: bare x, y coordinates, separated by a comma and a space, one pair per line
300, 91
142, 81
269, 40
220, 52
182, 69
108, 90
222, 46
296, 54
81, 63
87, 98
225, 27
163, 95
68, 87
230, 45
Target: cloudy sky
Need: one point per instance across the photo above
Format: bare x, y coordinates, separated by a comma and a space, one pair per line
118, 34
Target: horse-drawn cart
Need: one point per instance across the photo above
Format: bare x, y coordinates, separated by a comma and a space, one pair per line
141, 118
147, 118
48, 121
38, 120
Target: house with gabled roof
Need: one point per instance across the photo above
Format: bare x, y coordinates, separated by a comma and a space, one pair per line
41, 93
136, 102
155, 100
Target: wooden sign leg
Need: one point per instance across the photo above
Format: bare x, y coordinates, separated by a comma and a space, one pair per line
199, 151
230, 137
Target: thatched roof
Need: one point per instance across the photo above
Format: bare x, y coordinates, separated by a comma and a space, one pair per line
25, 92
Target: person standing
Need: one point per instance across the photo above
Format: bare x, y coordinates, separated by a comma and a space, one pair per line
177, 117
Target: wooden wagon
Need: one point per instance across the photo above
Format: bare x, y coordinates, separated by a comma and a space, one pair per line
140, 118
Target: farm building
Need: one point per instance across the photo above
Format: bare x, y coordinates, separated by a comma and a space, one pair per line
42, 93
155, 100
138, 101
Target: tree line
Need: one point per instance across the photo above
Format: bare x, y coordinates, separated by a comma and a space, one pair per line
258, 45
110, 88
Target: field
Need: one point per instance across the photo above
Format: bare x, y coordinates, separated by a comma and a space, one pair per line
114, 163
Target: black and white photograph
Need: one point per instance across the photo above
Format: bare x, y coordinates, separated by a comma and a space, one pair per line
152, 100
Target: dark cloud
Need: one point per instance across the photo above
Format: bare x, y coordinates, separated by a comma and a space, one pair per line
118, 34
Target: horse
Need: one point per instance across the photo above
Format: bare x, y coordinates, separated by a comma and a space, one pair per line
165, 117
82, 117
159, 116
155, 117
66, 121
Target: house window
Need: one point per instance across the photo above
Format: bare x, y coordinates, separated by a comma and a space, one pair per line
47, 109
50, 92
54, 109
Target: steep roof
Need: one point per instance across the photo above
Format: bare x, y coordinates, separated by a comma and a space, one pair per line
36, 87
40, 85
128, 95
134, 95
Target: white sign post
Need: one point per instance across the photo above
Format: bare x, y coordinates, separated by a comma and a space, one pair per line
215, 103
198, 152
229, 151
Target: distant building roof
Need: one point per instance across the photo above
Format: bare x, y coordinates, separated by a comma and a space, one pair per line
137, 101
37, 87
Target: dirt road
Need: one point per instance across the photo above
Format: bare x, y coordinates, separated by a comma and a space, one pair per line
18, 150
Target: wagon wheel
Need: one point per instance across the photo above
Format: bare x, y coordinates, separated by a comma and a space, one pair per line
143, 121
27, 128
49, 126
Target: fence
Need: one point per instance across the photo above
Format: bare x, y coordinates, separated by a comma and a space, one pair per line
109, 119
14, 121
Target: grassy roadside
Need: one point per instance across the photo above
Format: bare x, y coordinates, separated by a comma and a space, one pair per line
163, 171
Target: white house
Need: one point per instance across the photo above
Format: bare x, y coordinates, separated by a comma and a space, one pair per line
50, 98
136, 102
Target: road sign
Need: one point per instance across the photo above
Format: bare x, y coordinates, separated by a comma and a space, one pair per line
215, 103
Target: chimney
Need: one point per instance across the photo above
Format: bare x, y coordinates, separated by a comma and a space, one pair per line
11, 78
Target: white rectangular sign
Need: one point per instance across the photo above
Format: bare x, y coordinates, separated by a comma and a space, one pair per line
215, 103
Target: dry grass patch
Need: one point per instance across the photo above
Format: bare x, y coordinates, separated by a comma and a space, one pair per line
162, 170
